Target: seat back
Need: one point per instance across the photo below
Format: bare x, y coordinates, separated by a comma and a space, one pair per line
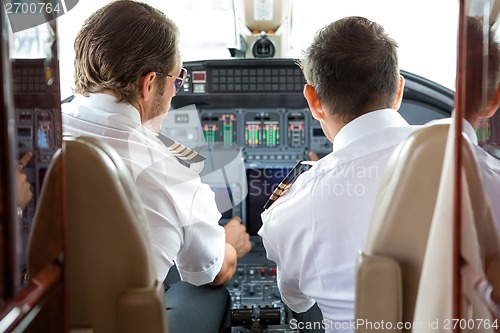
390, 267
479, 254
111, 278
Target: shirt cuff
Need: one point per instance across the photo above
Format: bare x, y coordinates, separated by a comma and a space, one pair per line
202, 277
299, 307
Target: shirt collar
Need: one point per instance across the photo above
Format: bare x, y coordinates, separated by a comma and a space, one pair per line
366, 123
469, 131
106, 105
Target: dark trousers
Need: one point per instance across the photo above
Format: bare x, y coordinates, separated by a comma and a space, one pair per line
313, 315
202, 309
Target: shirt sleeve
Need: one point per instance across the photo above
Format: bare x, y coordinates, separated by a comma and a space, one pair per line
184, 222
202, 253
288, 283
291, 294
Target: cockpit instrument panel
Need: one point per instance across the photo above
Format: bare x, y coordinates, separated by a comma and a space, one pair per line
38, 122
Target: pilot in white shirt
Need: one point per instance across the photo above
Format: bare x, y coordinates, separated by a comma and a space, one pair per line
127, 70
314, 231
182, 214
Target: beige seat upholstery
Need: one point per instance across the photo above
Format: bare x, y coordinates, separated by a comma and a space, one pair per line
390, 266
111, 277
479, 254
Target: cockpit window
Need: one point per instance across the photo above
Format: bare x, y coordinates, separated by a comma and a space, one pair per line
426, 30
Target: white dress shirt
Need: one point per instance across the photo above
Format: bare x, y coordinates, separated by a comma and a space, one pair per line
315, 230
181, 211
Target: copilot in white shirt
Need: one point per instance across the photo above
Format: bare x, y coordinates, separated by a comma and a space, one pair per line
315, 230
181, 211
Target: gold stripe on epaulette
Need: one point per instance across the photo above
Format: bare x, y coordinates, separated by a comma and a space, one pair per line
285, 190
285, 184
277, 192
179, 149
181, 152
174, 146
274, 197
192, 155
186, 152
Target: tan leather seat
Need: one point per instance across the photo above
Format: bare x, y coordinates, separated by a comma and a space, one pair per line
390, 266
479, 255
110, 272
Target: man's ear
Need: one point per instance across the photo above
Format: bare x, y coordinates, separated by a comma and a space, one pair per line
146, 86
399, 97
315, 105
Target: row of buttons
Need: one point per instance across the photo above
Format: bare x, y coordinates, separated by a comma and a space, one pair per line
264, 87
257, 72
259, 79
31, 79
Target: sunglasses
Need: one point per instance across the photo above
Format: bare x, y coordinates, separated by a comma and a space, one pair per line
179, 80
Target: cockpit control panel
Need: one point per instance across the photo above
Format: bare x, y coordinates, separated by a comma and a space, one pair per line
38, 124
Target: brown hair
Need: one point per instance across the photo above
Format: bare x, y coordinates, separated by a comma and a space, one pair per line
352, 65
476, 63
120, 43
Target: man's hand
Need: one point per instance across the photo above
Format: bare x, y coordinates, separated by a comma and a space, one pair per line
238, 237
24, 194
313, 156
228, 266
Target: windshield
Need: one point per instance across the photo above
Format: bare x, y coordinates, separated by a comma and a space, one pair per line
426, 30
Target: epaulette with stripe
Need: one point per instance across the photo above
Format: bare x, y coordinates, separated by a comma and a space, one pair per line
185, 155
287, 182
